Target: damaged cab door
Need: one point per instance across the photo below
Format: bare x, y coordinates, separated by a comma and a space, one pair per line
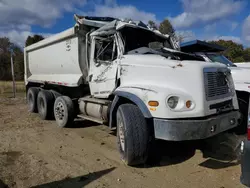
103, 65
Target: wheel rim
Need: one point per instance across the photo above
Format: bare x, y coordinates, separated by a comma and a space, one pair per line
121, 135
60, 111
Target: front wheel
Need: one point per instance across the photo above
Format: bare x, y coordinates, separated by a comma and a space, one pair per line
132, 135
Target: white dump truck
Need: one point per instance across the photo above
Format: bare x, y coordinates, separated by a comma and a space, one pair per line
125, 75
240, 73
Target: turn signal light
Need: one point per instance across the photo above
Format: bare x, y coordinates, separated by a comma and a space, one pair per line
188, 104
153, 103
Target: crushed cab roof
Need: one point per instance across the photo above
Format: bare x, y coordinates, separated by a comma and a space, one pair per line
109, 25
116, 25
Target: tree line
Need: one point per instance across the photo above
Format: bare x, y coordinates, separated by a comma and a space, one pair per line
6, 48
234, 51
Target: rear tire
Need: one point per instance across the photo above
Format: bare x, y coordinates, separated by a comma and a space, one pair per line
32, 99
132, 135
64, 111
45, 102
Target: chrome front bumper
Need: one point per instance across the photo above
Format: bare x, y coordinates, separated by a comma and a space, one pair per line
194, 129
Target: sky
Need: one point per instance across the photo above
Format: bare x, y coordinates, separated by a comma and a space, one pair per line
193, 19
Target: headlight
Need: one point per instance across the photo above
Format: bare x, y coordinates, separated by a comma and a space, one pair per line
173, 101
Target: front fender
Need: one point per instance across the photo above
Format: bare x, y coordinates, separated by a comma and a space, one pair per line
146, 93
135, 99
141, 95
122, 94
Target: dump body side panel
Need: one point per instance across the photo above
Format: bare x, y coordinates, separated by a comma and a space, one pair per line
57, 59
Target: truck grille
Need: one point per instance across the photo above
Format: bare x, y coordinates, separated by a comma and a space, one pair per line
216, 84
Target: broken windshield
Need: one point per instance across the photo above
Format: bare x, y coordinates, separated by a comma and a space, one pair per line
135, 38
220, 59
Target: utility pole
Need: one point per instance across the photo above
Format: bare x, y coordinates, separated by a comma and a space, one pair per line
12, 70
13, 74
2, 71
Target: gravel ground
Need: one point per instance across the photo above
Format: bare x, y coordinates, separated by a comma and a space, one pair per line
35, 153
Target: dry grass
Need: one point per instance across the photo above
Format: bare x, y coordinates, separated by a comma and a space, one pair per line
6, 87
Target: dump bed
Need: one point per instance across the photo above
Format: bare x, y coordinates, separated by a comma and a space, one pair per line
61, 59
58, 59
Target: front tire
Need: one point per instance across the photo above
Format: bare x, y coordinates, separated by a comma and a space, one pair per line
45, 102
132, 135
64, 111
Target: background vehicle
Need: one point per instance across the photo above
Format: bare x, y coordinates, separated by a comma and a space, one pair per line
243, 64
123, 74
241, 74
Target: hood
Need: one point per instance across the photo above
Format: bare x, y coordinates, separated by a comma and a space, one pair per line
240, 74
163, 77
156, 60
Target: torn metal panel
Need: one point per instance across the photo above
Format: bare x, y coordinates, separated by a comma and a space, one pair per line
93, 21
101, 77
109, 28
116, 25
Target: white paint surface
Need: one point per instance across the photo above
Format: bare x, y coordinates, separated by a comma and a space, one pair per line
55, 59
